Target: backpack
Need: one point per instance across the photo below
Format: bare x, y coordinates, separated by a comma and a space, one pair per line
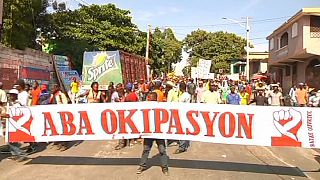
44, 98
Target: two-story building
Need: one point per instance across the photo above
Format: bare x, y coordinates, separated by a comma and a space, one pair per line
258, 64
294, 50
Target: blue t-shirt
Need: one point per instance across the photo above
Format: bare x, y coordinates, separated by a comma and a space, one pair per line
234, 99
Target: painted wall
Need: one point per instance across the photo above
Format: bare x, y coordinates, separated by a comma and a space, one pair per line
28, 64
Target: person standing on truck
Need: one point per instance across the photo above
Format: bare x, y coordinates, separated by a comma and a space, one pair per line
74, 90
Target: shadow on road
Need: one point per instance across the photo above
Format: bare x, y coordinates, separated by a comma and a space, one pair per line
177, 163
317, 158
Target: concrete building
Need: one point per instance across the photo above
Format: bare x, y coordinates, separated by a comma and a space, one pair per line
295, 50
258, 63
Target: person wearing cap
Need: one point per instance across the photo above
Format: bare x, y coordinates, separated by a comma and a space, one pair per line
44, 98
233, 97
172, 92
212, 96
260, 98
302, 95
276, 97
131, 95
23, 96
17, 153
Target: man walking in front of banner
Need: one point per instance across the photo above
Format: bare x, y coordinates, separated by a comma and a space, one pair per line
233, 98
58, 97
184, 98
17, 153
212, 96
147, 145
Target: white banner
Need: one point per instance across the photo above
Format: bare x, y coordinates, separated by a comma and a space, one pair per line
229, 124
194, 72
204, 67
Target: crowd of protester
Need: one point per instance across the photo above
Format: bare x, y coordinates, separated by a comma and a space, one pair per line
176, 90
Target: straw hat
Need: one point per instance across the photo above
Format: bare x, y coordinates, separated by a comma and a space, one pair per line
169, 83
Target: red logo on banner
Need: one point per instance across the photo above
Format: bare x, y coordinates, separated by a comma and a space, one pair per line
20, 119
288, 124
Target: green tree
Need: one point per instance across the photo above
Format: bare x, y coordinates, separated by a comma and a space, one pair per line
95, 27
165, 50
217, 46
21, 20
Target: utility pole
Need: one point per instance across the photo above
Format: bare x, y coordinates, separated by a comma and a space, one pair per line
147, 52
248, 48
1, 17
247, 70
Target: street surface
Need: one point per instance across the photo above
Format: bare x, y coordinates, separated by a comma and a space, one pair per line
97, 160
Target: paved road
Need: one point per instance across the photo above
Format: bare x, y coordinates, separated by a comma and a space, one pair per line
98, 160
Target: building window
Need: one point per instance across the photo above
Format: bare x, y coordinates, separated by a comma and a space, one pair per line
315, 26
271, 44
284, 40
294, 30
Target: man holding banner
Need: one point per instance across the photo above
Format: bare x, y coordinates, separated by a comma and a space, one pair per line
147, 145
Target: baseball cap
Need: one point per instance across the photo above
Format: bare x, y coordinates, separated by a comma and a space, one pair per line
129, 86
13, 91
44, 87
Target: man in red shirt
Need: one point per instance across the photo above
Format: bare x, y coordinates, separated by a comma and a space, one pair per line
131, 97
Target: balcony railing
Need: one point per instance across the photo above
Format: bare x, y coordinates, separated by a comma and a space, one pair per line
282, 52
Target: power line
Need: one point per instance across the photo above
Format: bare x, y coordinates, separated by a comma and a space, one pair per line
225, 24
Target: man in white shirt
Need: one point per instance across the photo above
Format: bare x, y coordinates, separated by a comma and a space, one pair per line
200, 90
292, 95
3, 99
23, 96
276, 97
3, 95
115, 95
